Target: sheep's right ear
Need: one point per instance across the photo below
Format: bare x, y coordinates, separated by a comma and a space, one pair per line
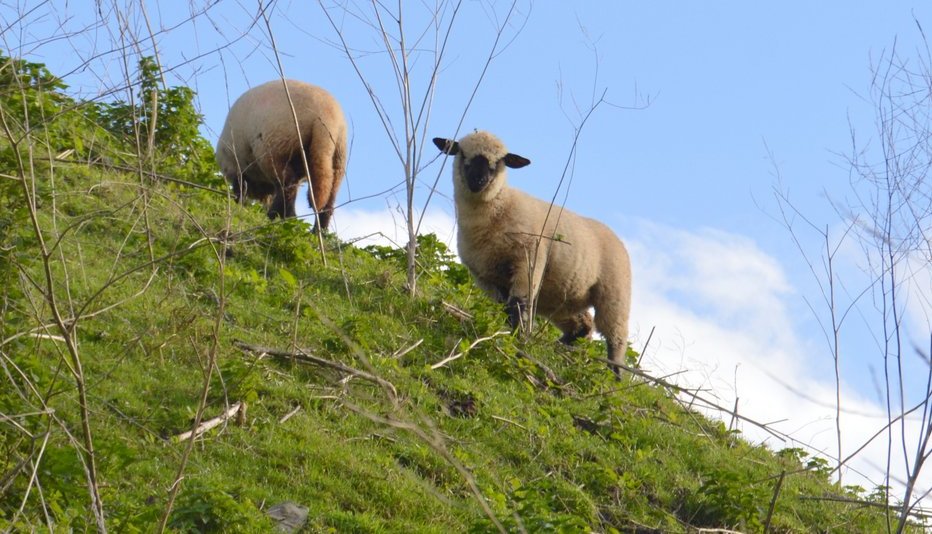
515, 161
447, 146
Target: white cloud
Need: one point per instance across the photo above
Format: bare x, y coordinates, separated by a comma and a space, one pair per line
720, 309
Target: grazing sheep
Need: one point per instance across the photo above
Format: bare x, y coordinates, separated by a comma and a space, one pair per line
518, 247
260, 154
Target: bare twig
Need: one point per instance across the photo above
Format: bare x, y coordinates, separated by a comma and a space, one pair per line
509, 421
304, 356
458, 355
307, 170
548, 372
232, 411
401, 352
26, 170
290, 414
456, 312
773, 501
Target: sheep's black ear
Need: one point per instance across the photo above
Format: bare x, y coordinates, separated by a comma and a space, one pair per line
447, 146
515, 161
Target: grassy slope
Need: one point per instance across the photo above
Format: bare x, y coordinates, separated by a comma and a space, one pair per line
588, 454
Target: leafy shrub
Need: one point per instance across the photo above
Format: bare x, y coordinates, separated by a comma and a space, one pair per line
202, 508
180, 147
433, 256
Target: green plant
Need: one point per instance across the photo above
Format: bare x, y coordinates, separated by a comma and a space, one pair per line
166, 120
203, 508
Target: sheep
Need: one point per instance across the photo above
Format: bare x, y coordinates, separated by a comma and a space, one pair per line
519, 248
260, 152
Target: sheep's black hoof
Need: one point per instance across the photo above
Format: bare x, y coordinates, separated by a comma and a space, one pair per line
612, 357
515, 308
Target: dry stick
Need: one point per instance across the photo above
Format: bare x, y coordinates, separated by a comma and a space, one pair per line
828, 295
509, 421
410, 156
297, 127
76, 368
456, 312
548, 372
150, 174
304, 356
208, 374
570, 161
34, 476
734, 415
233, 410
142, 157
410, 149
155, 94
492, 53
646, 344
765, 427
458, 355
773, 501
290, 414
402, 352
9, 477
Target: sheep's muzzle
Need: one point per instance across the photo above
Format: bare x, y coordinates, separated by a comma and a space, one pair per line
477, 173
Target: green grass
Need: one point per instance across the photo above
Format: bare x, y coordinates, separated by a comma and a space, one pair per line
165, 278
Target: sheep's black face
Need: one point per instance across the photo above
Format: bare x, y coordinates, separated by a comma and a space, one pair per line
478, 172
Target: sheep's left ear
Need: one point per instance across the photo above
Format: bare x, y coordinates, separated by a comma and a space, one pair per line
447, 146
515, 161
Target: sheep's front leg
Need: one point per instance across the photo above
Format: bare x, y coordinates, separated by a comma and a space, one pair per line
525, 283
516, 307
239, 185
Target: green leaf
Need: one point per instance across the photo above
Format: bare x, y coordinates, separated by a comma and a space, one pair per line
288, 277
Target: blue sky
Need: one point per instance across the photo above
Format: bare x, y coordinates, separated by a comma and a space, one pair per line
738, 93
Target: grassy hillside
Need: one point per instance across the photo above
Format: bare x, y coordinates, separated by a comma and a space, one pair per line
157, 306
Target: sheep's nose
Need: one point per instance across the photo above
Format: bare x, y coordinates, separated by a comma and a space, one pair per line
477, 178
478, 174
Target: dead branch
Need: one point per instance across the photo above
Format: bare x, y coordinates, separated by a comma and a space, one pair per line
548, 372
509, 421
304, 356
458, 355
290, 414
399, 353
661, 382
773, 501
234, 410
461, 315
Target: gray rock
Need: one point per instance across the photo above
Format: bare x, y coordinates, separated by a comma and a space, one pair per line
290, 516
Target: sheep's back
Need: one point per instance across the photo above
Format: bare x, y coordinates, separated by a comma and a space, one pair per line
260, 124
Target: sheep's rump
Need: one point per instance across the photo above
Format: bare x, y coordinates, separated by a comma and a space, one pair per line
260, 144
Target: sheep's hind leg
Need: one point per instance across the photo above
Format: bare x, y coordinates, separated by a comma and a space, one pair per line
611, 319
320, 192
283, 202
616, 354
